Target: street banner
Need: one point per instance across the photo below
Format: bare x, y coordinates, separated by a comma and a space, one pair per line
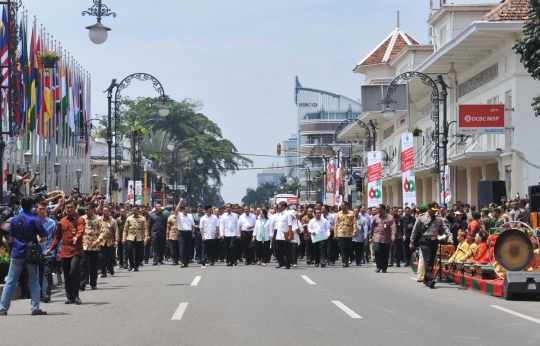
339, 179
481, 119
331, 180
446, 194
138, 192
131, 192
374, 176
407, 170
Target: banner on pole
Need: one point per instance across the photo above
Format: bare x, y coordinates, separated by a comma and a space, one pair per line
446, 194
131, 192
374, 176
138, 192
407, 170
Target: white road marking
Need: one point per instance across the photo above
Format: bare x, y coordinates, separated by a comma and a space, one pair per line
179, 312
346, 309
532, 319
196, 281
308, 280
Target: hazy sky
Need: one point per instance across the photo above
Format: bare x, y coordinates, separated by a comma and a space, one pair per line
239, 57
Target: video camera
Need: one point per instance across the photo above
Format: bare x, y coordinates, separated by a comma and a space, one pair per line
40, 189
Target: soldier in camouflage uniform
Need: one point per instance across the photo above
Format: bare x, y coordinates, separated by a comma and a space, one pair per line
498, 219
486, 222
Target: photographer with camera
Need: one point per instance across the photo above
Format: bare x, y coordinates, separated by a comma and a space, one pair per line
18, 186
24, 232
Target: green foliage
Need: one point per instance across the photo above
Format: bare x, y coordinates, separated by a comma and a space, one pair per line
354, 157
528, 46
4, 255
415, 128
260, 196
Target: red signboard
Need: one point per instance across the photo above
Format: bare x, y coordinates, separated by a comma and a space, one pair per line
374, 172
479, 119
291, 200
407, 159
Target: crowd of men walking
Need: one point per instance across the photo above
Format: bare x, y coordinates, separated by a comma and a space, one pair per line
82, 239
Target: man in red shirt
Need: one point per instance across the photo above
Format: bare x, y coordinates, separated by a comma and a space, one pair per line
70, 231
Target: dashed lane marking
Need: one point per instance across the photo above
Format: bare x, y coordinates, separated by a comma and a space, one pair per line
196, 281
179, 312
308, 280
346, 309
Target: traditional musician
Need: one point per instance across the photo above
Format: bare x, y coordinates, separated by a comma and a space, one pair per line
471, 253
462, 250
482, 251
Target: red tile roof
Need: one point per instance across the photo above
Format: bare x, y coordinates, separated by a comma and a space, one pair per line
388, 49
509, 11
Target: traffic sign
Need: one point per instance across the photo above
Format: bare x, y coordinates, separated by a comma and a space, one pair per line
182, 187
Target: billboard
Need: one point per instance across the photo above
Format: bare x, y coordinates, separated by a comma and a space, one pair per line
138, 192
481, 119
374, 176
408, 185
131, 192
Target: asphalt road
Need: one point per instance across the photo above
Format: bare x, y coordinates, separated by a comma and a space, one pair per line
250, 305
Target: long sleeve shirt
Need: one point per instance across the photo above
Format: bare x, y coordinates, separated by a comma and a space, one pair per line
93, 232
426, 228
68, 228
185, 222
361, 230
246, 222
50, 227
407, 231
282, 223
383, 228
172, 228
345, 226
110, 231
228, 225
135, 228
209, 226
263, 230
321, 225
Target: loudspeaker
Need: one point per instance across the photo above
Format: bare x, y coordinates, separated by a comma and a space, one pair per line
490, 191
520, 283
534, 198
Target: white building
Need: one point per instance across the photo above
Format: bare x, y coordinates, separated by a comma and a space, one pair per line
471, 47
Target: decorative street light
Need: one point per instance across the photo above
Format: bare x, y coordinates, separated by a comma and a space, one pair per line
78, 173
104, 183
81, 144
57, 171
98, 32
200, 160
95, 179
27, 159
163, 111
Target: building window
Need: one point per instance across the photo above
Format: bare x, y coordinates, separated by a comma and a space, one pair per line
388, 132
425, 111
442, 36
402, 121
493, 100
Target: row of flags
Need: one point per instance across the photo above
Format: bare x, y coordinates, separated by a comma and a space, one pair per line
54, 103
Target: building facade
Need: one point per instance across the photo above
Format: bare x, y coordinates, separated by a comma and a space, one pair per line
471, 48
270, 176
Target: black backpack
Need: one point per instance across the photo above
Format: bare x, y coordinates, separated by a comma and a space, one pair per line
33, 249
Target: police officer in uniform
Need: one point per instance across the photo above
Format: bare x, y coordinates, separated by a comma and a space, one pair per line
430, 228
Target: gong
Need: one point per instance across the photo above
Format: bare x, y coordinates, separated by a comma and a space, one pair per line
513, 250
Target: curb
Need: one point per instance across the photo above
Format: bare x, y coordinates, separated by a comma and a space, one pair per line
17, 292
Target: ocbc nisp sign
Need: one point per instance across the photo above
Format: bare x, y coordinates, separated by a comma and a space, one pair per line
478, 119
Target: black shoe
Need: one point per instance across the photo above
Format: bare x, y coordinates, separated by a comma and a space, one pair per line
130, 269
39, 312
145, 262
46, 299
103, 276
287, 267
391, 265
203, 264
112, 272
82, 288
280, 266
358, 264
229, 264
67, 302
78, 301
212, 263
241, 260
432, 284
155, 264
161, 262
247, 263
316, 265
136, 269
377, 270
94, 288
3, 313
367, 262
222, 260
384, 271
190, 261
398, 265
323, 265
125, 267
183, 266
236, 263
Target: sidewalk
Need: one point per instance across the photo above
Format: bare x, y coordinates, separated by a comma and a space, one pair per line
57, 281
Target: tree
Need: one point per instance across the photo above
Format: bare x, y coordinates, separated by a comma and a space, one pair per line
260, 196
200, 137
528, 47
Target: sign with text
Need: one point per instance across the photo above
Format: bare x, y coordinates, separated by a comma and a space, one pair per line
408, 185
131, 192
138, 192
481, 119
374, 176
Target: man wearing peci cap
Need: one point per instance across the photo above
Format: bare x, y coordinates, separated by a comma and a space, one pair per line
460, 223
430, 229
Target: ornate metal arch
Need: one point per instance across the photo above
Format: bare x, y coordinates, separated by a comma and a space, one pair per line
434, 97
118, 100
340, 128
362, 124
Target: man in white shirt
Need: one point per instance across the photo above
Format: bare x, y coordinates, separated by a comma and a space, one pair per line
332, 250
246, 223
316, 225
228, 230
209, 226
186, 226
284, 235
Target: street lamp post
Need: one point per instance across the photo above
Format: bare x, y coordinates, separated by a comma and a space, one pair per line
95, 179
78, 173
57, 171
98, 32
104, 183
